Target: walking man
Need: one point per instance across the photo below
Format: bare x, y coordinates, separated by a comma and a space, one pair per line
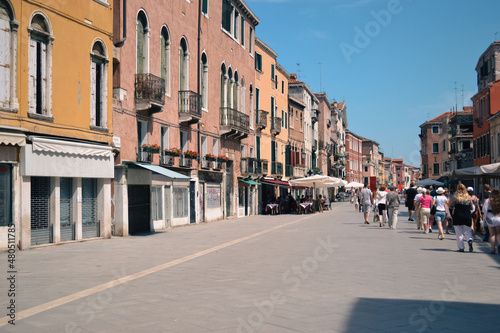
393, 207
409, 201
366, 200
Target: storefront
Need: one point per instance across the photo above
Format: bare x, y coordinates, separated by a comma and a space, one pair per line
248, 197
65, 191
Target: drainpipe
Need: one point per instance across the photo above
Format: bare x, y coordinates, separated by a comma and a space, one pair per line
198, 81
121, 42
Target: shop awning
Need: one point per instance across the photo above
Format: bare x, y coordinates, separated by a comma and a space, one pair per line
487, 170
273, 182
12, 139
249, 182
163, 171
56, 146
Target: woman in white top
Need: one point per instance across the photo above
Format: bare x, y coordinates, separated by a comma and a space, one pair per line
381, 203
440, 202
491, 211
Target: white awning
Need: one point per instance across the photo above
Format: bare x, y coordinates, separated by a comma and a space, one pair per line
12, 139
487, 170
69, 147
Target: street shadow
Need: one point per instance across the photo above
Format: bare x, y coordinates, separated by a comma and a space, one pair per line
408, 315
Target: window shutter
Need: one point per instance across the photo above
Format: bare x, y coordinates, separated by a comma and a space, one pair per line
32, 77
93, 92
44, 78
4, 61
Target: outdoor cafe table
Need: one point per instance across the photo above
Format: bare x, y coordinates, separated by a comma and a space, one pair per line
272, 207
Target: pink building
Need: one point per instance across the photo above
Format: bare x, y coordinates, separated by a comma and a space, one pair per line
183, 82
354, 157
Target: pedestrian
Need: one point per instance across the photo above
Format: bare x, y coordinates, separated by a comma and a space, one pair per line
462, 217
440, 202
409, 200
484, 197
476, 214
381, 204
321, 202
376, 217
360, 201
491, 210
366, 199
425, 204
393, 203
416, 204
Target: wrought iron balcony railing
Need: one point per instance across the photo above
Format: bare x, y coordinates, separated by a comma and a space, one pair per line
149, 92
261, 119
189, 106
234, 122
275, 125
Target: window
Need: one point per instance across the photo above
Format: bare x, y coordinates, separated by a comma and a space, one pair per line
435, 129
241, 196
257, 99
258, 62
242, 28
436, 169
227, 11
184, 140
282, 87
250, 41
142, 43
204, 150
272, 72
165, 58
235, 24
435, 148
156, 203
40, 66
8, 60
98, 86
183, 66
204, 7
5, 195
181, 203
204, 81
165, 138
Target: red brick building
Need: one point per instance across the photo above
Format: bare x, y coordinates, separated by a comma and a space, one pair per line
354, 157
486, 102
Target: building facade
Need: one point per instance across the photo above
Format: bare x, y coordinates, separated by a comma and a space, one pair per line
55, 121
354, 157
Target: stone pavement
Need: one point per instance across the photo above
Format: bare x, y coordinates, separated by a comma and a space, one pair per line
287, 273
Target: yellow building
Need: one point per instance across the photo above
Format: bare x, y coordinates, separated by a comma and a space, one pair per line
56, 160
271, 105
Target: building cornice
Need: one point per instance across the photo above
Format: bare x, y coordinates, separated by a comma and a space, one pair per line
242, 6
266, 48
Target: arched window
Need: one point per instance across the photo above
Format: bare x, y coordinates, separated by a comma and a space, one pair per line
8, 58
242, 95
223, 82
165, 58
252, 109
98, 85
40, 66
183, 66
142, 43
204, 81
235, 92
229, 85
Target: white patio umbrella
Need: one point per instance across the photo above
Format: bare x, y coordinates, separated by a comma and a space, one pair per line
317, 181
428, 182
355, 185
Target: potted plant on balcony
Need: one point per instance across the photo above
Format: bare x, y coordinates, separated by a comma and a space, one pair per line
222, 159
154, 148
210, 157
173, 152
191, 154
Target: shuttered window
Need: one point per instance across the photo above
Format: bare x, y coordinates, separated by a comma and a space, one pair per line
5, 62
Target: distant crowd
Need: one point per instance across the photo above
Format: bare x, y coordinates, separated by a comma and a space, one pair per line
458, 209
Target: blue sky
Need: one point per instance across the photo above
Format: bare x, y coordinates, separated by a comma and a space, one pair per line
401, 73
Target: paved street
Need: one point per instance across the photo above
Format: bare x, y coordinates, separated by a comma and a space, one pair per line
288, 273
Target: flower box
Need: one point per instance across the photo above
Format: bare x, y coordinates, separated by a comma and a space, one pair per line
154, 149
173, 152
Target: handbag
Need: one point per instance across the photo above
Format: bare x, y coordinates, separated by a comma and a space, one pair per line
433, 210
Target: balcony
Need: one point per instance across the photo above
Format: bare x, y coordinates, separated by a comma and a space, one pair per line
167, 160
261, 119
233, 123
275, 125
252, 166
315, 115
144, 155
276, 168
189, 107
185, 162
149, 93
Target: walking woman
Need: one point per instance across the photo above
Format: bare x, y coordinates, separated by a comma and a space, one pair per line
440, 202
425, 203
381, 202
491, 211
462, 217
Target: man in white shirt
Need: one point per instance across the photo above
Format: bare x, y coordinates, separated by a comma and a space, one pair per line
420, 225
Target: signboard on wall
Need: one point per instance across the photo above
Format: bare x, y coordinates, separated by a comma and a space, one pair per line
213, 195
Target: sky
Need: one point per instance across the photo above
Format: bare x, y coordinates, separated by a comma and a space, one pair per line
396, 63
